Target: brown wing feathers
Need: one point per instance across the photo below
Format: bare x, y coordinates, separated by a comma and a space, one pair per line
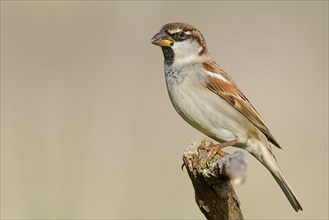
228, 90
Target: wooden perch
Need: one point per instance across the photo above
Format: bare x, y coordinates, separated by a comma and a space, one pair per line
214, 192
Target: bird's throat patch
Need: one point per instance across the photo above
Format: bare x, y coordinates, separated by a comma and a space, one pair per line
169, 55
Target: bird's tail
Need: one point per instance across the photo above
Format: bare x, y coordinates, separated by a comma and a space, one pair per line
265, 156
286, 188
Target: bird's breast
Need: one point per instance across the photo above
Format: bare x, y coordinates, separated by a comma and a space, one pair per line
205, 110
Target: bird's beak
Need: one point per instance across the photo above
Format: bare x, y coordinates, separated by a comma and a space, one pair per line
162, 39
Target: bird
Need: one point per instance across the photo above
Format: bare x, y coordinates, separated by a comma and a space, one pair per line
206, 97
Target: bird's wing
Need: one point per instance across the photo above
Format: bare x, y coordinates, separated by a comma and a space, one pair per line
219, 82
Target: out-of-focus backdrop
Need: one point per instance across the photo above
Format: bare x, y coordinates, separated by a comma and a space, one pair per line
87, 128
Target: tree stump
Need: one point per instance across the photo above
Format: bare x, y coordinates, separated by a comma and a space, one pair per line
214, 193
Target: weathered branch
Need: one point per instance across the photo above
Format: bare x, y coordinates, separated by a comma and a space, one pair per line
214, 192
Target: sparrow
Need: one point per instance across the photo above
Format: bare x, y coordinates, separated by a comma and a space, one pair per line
207, 98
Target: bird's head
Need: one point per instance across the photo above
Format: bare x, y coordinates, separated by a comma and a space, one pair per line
181, 43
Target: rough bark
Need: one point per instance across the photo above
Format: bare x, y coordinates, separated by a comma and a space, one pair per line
214, 193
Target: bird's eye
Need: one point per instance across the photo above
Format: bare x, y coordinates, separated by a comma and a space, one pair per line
181, 35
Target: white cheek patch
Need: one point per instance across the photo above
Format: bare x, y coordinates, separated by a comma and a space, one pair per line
186, 51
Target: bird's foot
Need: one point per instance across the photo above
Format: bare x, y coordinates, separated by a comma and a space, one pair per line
215, 149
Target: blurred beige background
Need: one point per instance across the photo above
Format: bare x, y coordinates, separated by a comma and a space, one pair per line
87, 128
